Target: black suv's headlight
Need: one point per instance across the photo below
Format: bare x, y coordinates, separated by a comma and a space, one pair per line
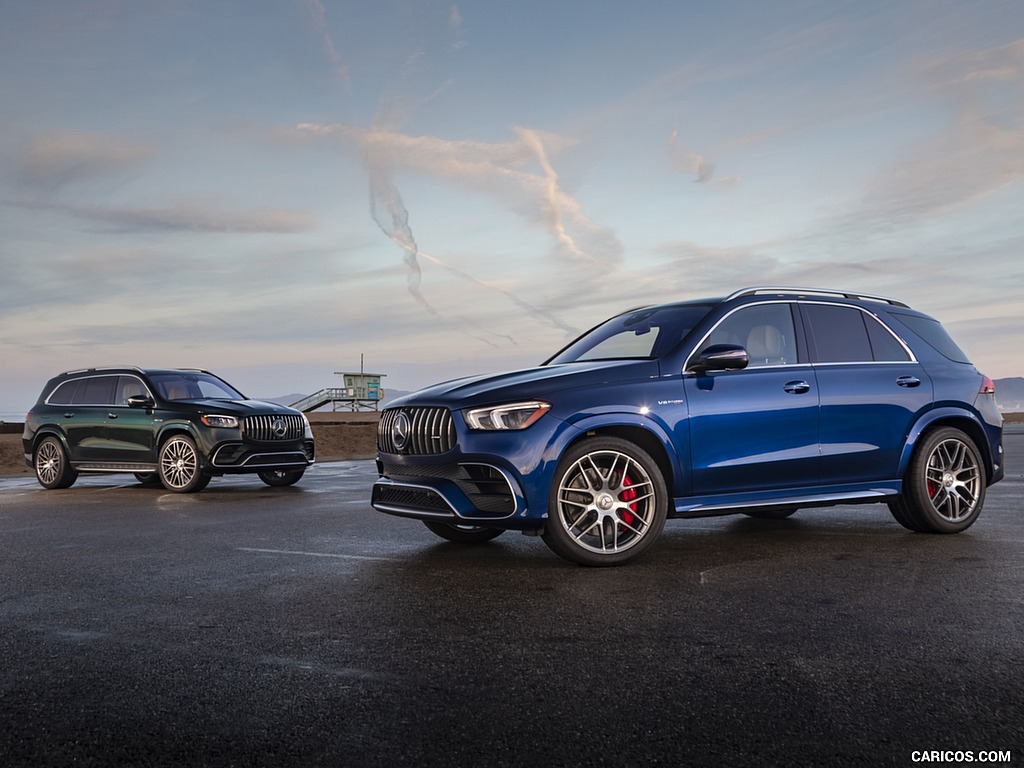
216, 420
510, 416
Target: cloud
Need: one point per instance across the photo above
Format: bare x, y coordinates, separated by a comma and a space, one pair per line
976, 153
455, 27
185, 216
688, 161
51, 161
317, 15
519, 174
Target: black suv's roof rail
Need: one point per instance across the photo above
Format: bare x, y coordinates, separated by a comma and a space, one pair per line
816, 291
104, 368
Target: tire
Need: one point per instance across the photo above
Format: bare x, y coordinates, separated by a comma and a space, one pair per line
463, 534
279, 478
148, 478
180, 466
607, 504
944, 488
53, 470
779, 513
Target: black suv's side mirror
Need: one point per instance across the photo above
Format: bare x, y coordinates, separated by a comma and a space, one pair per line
720, 357
141, 401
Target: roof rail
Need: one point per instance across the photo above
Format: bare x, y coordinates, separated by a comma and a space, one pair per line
104, 368
815, 291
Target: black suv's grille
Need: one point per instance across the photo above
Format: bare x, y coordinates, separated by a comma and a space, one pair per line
416, 431
272, 428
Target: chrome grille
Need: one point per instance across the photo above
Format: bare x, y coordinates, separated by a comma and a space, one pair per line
431, 431
274, 428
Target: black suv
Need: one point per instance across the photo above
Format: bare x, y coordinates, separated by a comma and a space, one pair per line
176, 427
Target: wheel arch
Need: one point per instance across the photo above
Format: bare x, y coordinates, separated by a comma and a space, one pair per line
641, 436
950, 417
182, 428
49, 431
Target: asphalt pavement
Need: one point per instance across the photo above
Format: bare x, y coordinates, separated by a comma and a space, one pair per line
251, 626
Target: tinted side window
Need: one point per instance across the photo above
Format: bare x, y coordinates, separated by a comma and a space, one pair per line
129, 386
883, 344
96, 390
765, 331
932, 331
837, 334
64, 394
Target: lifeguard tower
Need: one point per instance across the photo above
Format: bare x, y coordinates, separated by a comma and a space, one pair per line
360, 391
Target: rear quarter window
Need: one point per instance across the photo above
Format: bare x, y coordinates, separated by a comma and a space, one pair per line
932, 332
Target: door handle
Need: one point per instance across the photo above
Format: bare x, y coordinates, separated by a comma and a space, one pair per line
69, 415
796, 387
111, 415
908, 381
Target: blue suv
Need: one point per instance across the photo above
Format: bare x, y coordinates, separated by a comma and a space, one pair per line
760, 403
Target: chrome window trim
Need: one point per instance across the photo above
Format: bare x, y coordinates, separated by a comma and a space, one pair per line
98, 375
697, 347
880, 321
910, 353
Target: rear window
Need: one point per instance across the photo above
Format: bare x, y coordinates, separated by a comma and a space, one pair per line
932, 331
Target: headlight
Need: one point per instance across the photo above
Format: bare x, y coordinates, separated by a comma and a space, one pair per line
512, 416
212, 420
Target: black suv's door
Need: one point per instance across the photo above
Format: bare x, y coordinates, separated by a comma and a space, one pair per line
755, 428
871, 392
131, 432
85, 418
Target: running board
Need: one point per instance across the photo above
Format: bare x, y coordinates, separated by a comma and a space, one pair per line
114, 466
805, 500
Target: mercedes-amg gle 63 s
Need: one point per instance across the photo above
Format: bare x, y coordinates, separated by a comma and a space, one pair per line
178, 428
761, 403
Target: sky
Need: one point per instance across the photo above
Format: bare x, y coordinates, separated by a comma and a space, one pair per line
275, 190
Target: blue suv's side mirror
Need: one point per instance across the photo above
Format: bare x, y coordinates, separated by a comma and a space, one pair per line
720, 357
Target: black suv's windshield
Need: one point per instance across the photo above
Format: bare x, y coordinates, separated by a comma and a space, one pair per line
193, 385
640, 334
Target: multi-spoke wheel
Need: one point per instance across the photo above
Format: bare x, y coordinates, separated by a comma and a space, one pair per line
463, 534
52, 467
180, 469
608, 503
944, 488
279, 478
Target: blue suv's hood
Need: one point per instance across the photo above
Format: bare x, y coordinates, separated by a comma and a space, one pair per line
529, 384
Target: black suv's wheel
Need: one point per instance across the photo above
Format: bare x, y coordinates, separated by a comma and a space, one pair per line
51, 464
944, 487
463, 534
148, 478
279, 478
608, 503
180, 466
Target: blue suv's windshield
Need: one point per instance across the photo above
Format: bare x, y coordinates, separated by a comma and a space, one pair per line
640, 334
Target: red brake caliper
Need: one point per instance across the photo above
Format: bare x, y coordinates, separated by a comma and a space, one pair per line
628, 495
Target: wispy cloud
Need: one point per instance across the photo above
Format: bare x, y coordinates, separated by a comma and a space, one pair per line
519, 174
48, 162
184, 216
690, 162
317, 15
